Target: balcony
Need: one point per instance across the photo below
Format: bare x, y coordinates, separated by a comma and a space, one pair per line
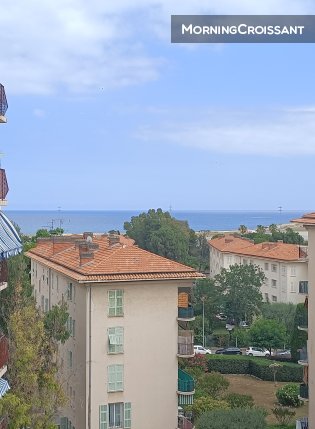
303, 395
303, 357
3, 274
302, 423
185, 344
4, 354
3, 105
186, 388
303, 322
185, 314
183, 423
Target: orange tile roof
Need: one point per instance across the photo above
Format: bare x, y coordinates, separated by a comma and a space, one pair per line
268, 250
307, 219
122, 261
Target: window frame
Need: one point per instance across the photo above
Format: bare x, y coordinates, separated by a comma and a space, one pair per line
115, 310
115, 378
117, 346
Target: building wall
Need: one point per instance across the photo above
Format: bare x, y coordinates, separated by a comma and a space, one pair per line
311, 325
282, 278
150, 348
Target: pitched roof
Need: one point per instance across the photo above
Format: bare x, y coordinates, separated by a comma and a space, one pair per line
307, 219
102, 261
267, 250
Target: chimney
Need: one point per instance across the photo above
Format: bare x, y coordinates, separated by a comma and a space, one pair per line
88, 236
113, 239
86, 250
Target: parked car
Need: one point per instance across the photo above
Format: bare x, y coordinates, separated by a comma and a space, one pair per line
229, 351
257, 351
219, 351
282, 354
200, 350
244, 324
221, 316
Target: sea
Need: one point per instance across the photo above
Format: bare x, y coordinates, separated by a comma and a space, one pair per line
76, 221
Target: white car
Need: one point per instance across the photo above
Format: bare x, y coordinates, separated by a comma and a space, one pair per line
200, 350
257, 351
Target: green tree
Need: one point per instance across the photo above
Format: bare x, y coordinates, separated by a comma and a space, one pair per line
267, 333
55, 322
273, 228
240, 288
206, 403
207, 294
160, 233
213, 384
243, 229
282, 313
260, 229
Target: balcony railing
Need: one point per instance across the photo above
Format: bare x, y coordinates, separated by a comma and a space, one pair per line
3, 423
186, 313
186, 383
302, 423
185, 343
4, 351
3, 101
303, 391
303, 357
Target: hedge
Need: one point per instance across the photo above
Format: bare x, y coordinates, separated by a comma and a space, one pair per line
287, 371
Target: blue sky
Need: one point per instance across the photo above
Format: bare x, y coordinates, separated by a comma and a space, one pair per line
105, 113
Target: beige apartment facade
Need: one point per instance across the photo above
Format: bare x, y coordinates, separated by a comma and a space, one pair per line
285, 265
119, 368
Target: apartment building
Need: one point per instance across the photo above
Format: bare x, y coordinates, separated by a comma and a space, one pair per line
10, 245
284, 265
308, 390
129, 314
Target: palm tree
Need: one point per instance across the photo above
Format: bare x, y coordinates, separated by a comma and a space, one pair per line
243, 229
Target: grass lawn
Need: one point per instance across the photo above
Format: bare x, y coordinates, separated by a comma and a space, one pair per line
263, 393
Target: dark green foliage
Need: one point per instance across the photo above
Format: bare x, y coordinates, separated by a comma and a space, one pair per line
160, 233
268, 333
287, 236
255, 366
55, 323
288, 395
206, 290
280, 312
240, 286
299, 338
236, 400
242, 336
237, 418
206, 403
213, 384
283, 415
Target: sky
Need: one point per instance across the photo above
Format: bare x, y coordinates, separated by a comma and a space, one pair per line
106, 114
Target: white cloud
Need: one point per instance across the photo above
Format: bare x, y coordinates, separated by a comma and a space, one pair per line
81, 46
284, 132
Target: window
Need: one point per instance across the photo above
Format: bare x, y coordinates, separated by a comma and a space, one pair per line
303, 287
115, 303
115, 415
274, 268
57, 283
103, 416
266, 266
116, 340
274, 298
39, 285
69, 292
245, 261
127, 415
293, 272
274, 283
115, 378
266, 297
283, 270
42, 302
292, 287
70, 359
71, 326
46, 305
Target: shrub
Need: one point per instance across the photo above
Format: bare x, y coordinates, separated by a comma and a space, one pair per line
236, 400
257, 367
283, 415
238, 418
198, 361
212, 384
205, 403
288, 395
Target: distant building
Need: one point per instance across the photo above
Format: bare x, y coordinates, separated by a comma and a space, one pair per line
129, 314
10, 245
284, 265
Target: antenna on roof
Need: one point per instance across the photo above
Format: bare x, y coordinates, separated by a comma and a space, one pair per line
280, 209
